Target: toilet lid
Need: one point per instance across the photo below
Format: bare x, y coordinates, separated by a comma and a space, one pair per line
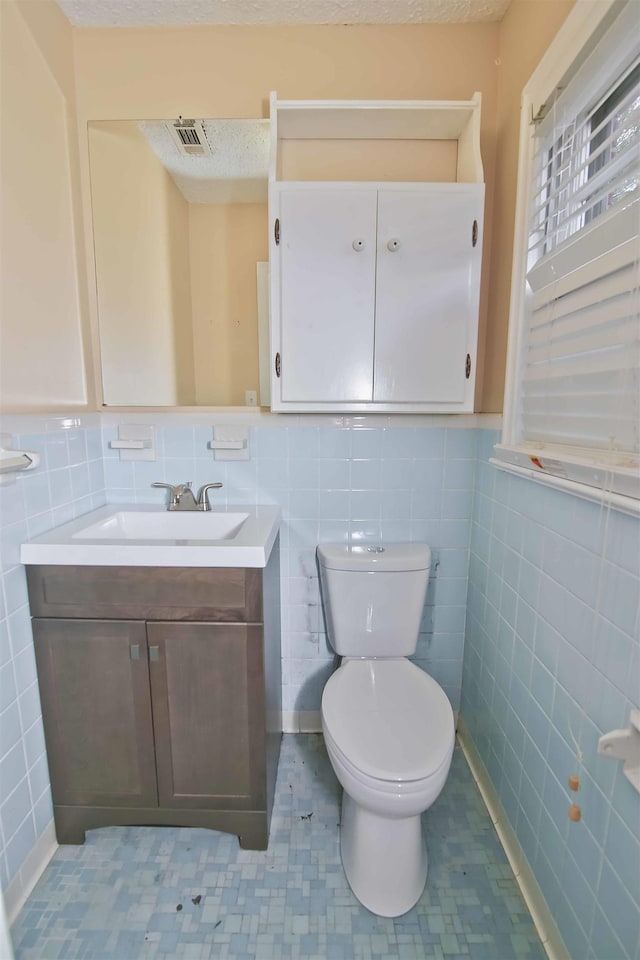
389, 718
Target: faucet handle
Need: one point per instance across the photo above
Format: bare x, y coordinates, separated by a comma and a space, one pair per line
172, 492
203, 499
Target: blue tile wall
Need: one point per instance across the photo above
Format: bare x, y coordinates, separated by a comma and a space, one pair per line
68, 482
545, 585
336, 482
552, 661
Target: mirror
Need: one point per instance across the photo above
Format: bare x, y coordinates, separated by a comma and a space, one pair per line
181, 249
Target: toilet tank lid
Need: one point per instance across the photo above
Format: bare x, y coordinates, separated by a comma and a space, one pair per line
390, 557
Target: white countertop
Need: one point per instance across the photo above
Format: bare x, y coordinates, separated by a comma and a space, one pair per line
68, 545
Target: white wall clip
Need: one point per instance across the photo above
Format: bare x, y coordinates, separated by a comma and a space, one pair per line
135, 442
230, 443
625, 745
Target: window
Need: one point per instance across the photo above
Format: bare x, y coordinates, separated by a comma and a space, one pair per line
572, 409
613, 128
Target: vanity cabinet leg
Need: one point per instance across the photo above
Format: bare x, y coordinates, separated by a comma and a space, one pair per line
70, 834
256, 838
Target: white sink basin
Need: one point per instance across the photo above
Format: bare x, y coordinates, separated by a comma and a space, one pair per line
146, 525
149, 536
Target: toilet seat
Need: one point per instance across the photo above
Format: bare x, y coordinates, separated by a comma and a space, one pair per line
389, 720
405, 791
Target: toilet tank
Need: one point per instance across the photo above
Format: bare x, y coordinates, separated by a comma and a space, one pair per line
373, 597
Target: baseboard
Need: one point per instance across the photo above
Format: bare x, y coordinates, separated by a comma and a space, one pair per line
15, 896
301, 721
541, 915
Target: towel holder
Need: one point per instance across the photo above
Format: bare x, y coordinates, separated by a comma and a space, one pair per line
15, 461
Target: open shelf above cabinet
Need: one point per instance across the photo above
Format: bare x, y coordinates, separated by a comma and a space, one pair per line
376, 120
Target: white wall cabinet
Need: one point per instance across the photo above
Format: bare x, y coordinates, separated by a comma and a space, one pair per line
374, 299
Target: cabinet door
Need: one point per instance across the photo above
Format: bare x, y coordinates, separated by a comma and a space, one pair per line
327, 294
96, 705
427, 293
207, 686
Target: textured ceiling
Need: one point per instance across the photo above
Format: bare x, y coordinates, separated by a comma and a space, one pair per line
160, 13
236, 171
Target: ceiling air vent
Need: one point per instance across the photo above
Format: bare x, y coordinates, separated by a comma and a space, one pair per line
190, 138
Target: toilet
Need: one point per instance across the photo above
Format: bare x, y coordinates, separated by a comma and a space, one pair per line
388, 726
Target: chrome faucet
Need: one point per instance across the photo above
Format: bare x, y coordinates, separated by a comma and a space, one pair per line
181, 496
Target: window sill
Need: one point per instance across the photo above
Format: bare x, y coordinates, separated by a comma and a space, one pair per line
615, 483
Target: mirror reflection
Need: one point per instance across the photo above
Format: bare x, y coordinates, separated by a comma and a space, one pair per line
181, 248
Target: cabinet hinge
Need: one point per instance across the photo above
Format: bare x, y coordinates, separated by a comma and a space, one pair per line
467, 366
276, 231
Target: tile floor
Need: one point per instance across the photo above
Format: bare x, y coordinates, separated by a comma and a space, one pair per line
140, 892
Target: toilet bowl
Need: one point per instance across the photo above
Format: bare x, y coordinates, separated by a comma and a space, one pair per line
388, 726
389, 734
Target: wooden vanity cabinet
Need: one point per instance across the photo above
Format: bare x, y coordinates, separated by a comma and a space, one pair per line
160, 719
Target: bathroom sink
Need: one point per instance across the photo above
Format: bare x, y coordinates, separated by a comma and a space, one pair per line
149, 536
153, 525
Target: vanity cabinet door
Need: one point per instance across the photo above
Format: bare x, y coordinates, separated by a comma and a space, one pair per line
207, 686
96, 705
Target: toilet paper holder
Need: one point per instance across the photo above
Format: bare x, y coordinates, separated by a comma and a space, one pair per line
625, 745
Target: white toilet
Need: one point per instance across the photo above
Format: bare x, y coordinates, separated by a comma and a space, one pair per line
388, 726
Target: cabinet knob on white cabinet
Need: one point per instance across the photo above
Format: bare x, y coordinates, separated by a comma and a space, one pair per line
393, 245
358, 245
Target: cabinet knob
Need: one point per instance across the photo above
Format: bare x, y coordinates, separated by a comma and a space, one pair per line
393, 245
358, 245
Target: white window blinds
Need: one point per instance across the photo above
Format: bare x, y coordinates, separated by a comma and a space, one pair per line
580, 375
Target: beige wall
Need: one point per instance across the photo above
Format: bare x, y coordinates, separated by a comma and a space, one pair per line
226, 242
141, 240
381, 160
179, 281
526, 31
42, 361
226, 71
229, 72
